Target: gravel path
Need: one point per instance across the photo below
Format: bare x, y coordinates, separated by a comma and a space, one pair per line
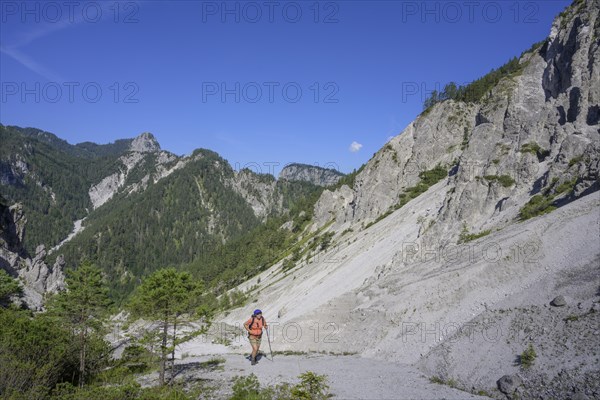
349, 377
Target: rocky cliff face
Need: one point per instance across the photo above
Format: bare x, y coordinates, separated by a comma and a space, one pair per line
36, 277
309, 173
259, 191
538, 127
144, 148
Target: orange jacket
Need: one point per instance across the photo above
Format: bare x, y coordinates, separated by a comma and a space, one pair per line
257, 326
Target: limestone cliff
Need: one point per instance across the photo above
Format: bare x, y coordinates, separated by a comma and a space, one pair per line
36, 277
536, 132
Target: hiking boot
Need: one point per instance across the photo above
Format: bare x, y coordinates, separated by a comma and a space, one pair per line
253, 361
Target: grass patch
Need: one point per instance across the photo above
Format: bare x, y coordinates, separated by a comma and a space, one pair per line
311, 386
535, 149
382, 216
543, 203
290, 353
537, 205
433, 176
465, 236
450, 382
428, 179
465, 141
504, 148
567, 186
575, 160
505, 180
213, 364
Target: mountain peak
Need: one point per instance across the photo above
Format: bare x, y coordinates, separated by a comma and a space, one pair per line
145, 143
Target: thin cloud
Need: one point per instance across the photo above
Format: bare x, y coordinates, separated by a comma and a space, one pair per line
355, 146
12, 49
30, 64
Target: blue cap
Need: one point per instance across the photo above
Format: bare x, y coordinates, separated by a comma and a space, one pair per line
257, 311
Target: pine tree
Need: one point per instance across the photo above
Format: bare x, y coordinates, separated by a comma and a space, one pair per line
166, 296
8, 286
83, 306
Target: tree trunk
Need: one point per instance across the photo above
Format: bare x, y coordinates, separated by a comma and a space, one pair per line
82, 340
82, 361
173, 351
163, 352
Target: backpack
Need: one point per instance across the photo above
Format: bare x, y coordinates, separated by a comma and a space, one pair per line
252, 322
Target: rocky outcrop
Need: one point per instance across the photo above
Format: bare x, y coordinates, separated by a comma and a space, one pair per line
142, 146
260, 191
36, 277
537, 128
309, 173
145, 143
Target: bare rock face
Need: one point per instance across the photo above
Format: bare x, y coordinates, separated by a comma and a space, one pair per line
142, 145
259, 191
145, 143
538, 129
309, 173
35, 276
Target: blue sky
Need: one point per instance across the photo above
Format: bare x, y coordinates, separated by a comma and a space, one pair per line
323, 83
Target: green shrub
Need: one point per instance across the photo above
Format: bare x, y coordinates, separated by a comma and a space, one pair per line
246, 388
36, 352
575, 160
433, 176
505, 180
465, 140
311, 387
8, 286
537, 205
379, 218
535, 149
465, 236
527, 357
428, 179
130, 391
325, 240
567, 186
288, 264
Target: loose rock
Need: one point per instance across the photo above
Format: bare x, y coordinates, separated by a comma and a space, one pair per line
559, 301
509, 383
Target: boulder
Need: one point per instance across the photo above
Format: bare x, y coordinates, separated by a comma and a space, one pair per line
509, 383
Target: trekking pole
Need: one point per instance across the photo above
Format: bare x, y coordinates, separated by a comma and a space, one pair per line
269, 341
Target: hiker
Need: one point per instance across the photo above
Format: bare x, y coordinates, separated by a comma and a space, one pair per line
254, 326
